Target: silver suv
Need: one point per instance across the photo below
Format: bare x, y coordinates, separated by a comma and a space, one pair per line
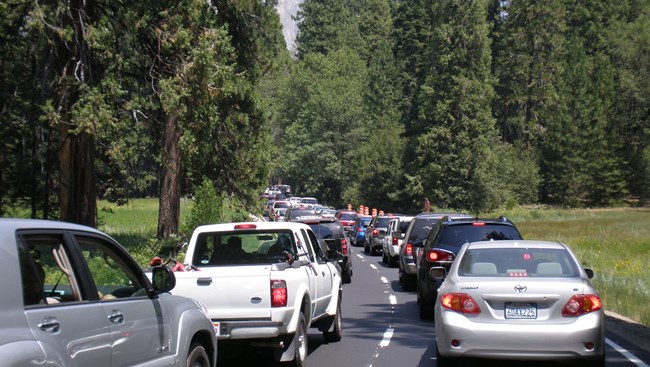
72, 296
415, 235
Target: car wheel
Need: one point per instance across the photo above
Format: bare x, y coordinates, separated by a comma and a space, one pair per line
384, 257
366, 249
299, 345
197, 356
346, 276
392, 261
406, 282
336, 334
425, 308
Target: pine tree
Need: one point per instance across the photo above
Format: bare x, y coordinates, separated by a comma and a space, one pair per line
454, 167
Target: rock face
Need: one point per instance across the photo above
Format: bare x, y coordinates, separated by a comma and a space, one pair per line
288, 10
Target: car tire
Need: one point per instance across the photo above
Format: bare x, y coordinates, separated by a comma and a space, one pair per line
366, 249
425, 308
299, 345
197, 356
392, 261
406, 282
384, 257
337, 333
346, 276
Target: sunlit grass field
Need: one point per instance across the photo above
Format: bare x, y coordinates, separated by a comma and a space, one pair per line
613, 242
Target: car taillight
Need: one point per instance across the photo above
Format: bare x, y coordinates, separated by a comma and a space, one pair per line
359, 230
395, 241
278, 293
460, 302
344, 246
439, 255
478, 223
581, 304
408, 249
374, 232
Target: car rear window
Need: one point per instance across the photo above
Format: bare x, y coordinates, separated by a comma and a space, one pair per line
517, 262
281, 204
326, 230
243, 247
457, 235
421, 228
383, 222
348, 216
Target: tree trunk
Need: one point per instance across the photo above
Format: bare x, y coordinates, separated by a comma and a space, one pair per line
170, 188
77, 191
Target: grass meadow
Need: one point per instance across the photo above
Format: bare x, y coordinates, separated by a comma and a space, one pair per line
615, 243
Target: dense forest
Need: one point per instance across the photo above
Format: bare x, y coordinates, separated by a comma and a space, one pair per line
474, 105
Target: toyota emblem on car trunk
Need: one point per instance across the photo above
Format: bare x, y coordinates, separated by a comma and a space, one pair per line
520, 288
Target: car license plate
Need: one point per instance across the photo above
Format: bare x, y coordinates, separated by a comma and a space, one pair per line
521, 310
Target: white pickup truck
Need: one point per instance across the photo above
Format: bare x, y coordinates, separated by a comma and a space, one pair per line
264, 284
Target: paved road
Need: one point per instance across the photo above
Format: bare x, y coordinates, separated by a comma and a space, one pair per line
382, 329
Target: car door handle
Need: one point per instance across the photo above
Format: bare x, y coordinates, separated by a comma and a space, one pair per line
49, 324
204, 281
116, 317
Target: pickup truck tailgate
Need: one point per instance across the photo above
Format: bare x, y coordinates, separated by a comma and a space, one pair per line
229, 292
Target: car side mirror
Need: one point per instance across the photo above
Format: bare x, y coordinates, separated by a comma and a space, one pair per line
590, 273
162, 279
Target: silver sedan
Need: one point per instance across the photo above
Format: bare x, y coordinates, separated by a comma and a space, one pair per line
528, 300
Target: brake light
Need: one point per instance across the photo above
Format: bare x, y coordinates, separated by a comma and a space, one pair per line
344, 246
439, 255
478, 223
408, 249
245, 226
395, 241
460, 302
278, 293
582, 304
359, 230
374, 232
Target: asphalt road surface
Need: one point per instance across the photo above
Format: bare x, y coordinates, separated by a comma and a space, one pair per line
381, 328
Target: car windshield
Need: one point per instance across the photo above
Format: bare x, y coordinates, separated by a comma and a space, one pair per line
458, 235
517, 262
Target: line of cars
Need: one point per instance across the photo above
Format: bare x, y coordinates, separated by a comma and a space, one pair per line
493, 295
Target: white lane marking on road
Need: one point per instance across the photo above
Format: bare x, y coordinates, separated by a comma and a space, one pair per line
373, 266
360, 256
387, 335
631, 357
392, 299
384, 280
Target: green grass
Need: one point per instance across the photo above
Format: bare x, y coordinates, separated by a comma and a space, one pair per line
615, 243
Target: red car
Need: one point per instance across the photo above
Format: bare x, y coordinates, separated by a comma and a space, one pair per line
346, 217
